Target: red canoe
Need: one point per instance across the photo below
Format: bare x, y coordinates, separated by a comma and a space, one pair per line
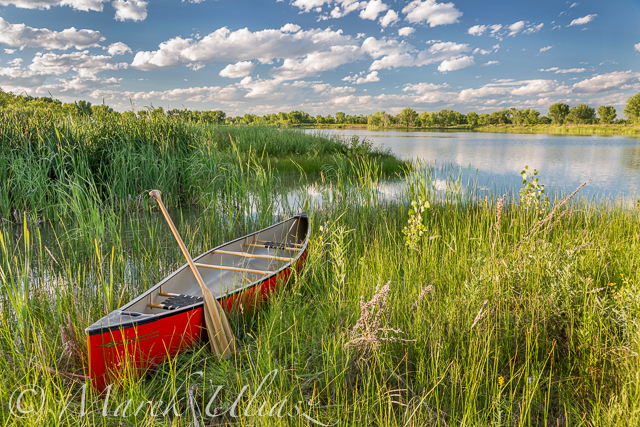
168, 317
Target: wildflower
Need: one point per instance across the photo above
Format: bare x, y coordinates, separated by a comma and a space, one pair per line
500, 380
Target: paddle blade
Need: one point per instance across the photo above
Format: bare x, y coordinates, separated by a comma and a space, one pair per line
216, 330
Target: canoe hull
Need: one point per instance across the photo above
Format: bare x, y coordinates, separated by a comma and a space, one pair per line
120, 354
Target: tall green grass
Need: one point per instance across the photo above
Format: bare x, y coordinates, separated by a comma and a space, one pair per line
533, 332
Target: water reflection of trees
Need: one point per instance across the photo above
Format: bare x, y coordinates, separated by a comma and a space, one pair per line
630, 158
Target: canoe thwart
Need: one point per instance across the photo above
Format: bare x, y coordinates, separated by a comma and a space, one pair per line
224, 267
248, 255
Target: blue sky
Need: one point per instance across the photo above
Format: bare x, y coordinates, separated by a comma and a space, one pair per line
322, 56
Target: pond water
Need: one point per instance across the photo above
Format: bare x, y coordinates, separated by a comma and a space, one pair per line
496, 159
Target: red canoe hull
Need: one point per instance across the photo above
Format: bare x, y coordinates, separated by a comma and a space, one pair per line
126, 353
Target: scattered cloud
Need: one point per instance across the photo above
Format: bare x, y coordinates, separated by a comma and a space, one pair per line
499, 31
407, 31
85, 65
84, 5
546, 48
486, 64
616, 81
389, 18
583, 20
390, 53
516, 27
373, 9
22, 36
573, 5
135, 10
237, 70
557, 70
456, 64
118, 48
359, 78
432, 13
223, 45
636, 47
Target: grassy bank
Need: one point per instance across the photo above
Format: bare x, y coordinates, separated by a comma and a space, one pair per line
631, 130
52, 166
492, 315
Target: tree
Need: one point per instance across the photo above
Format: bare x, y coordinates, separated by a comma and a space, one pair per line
472, 118
607, 114
581, 114
632, 110
341, 117
407, 117
84, 108
558, 113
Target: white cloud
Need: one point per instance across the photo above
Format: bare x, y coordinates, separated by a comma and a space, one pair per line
407, 31
477, 30
84, 64
456, 63
431, 12
237, 70
583, 20
546, 48
394, 54
9, 51
389, 18
373, 9
15, 62
516, 27
308, 5
616, 81
22, 36
224, 45
316, 62
573, 5
636, 47
135, 10
118, 48
486, 64
84, 5
564, 71
533, 29
358, 79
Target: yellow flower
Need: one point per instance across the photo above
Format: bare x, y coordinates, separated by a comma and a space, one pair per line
501, 381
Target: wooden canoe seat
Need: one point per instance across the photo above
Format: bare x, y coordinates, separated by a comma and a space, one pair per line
273, 245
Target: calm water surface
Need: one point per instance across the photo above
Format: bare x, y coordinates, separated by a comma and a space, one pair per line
563, 161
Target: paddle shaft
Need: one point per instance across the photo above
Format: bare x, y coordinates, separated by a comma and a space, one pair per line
226, 342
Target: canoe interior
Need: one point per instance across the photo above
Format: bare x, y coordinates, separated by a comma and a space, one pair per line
289, 240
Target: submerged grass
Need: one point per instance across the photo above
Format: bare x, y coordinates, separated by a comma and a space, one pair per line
474, 328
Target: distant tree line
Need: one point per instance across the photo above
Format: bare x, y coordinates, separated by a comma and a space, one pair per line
559, 114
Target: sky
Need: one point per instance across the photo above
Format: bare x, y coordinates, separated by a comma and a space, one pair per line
322, 56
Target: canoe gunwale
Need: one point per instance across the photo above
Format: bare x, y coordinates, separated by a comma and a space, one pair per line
96, 330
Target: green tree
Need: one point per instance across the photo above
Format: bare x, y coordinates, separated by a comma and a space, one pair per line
408, 117
607, 114
581, 114
558, 113
472, 118
84, 108
341, 118
632, 110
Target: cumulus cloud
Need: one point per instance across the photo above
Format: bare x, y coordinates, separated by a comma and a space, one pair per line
407, 31
636, 47
515, 28
316, 62
583, 20
84, 64
359, 79
546, 48
616, 81
20, 35
520, 27
477, 30
309, 5
390, 53
373, 9
486, 64
432, 13
456, 64
389, 18
84, 5
118, 48
135, 10
224, 45
237, 70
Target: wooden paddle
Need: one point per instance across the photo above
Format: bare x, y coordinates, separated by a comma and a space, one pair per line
221, 338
